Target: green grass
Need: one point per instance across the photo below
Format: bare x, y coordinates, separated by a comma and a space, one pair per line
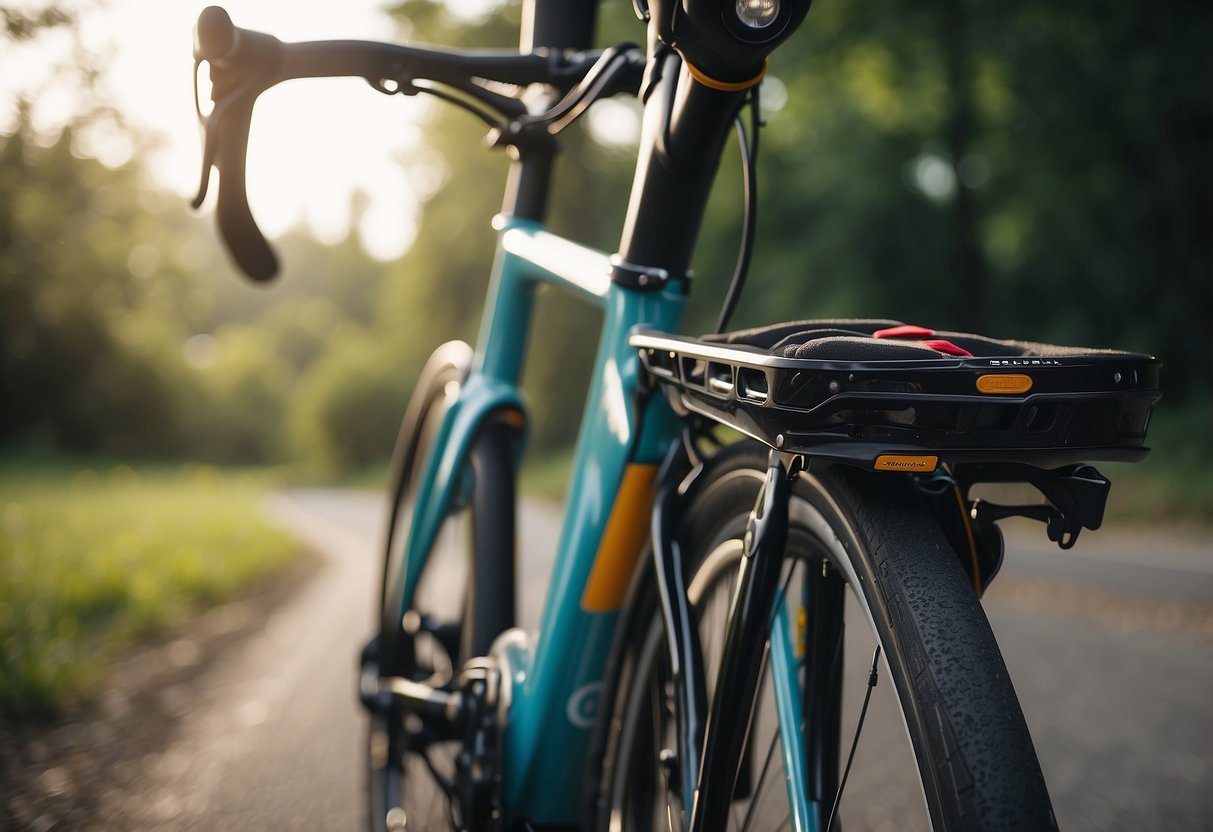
93, 559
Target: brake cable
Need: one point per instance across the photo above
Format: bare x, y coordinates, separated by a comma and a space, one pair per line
612, 63
748, 146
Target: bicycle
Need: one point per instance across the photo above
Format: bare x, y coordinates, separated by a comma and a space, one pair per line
696, 620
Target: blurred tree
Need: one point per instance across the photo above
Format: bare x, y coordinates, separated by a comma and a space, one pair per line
71, 305
1027, 169
346, 410
1033, 170
1036, 170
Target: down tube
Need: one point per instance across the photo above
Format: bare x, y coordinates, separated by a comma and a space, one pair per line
554, 708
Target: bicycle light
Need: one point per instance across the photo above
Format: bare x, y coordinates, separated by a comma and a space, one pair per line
757, 14
726, 41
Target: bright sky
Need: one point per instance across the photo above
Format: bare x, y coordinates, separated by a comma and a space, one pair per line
312, 142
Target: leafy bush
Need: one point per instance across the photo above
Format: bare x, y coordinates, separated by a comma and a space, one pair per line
347, 407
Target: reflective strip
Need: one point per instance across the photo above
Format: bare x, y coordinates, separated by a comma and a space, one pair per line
1004, 383
626, 531
895, 462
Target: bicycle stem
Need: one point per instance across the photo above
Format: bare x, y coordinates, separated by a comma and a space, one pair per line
684, 131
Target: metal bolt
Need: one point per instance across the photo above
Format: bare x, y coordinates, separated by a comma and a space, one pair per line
668, 759
1116, 377
411, 623
834, 387
779, 441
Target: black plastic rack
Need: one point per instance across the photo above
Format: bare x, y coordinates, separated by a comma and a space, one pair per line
913, 415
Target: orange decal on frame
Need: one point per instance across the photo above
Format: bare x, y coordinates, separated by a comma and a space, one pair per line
626, 531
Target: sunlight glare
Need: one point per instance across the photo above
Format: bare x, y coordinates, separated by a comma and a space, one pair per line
615, 123
313, 144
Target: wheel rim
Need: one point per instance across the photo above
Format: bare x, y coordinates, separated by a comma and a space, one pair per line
811, 539
401, 779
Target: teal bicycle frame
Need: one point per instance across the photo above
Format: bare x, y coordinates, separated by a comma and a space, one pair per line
562, 674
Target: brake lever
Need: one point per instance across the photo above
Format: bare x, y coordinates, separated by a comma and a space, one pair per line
210, 139
242, 65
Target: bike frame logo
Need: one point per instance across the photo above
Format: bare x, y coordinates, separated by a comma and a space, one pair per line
583, 705
1023, 362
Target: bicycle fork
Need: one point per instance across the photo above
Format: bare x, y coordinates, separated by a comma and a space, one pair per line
711, 752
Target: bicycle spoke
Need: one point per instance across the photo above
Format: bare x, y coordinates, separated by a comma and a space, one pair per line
762, 776
863, 712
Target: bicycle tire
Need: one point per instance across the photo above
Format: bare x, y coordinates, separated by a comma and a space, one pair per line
398, 778
967, 740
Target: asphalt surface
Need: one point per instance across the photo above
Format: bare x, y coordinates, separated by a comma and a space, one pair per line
1110, 649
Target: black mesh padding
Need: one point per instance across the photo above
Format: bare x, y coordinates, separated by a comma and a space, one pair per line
765, 337
834, 348
851, 340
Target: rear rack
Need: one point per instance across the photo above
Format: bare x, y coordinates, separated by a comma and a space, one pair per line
913, 415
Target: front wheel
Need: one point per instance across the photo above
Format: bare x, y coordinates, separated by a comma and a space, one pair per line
944, 743
464, 598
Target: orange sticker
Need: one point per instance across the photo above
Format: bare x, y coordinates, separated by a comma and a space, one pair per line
1004, 383
894, 462
623, 540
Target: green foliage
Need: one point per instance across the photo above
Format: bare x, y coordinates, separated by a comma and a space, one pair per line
122, 330
1030, 170
93, 559
1175, 483
1064, 154
79, 332
346, 411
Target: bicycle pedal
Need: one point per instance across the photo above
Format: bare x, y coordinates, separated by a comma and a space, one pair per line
368, 677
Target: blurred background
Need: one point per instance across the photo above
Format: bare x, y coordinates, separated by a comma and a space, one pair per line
1023, 170
1027, 169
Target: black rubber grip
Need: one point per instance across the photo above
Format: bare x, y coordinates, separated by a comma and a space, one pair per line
242, 64
239, 230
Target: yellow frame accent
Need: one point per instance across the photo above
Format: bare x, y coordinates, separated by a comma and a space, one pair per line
623, 540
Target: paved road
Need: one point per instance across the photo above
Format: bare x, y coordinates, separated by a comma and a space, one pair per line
1111, 650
